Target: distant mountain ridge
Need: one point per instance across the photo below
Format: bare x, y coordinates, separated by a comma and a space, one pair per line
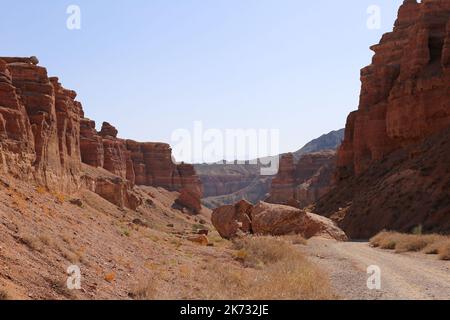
329, 141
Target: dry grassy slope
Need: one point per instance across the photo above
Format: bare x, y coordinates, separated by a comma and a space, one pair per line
41, 234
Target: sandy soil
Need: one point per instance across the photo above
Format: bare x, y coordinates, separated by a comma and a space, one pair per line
403, 276
118, 250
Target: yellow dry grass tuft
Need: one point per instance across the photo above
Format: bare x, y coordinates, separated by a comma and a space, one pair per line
145, 291
429, 244
268, 268
4, 295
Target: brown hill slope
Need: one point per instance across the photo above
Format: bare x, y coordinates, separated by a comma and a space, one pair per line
120, 252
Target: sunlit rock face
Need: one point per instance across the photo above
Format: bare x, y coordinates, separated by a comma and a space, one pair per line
405, 93
45, 137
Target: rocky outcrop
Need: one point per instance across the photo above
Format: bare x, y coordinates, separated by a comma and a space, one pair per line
45, 137
272, 219
16, 137
140, 163
233, 219
393, 166
91, 144
277, 220
110, 187
405, 91
42, 120
301, 184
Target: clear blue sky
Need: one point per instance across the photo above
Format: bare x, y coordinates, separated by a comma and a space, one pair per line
152, 66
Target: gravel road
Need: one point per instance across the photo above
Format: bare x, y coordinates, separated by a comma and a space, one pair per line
403, 276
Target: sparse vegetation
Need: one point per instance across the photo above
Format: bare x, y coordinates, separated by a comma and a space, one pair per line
266, 268
145, 291
126, 232
260, 251
60, 287
429, 244
45, 239
60, 198
283, 273
297, 240
4, 295
41, 189
33, 243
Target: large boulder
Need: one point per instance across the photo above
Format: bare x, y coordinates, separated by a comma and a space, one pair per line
272, 219
232, 220
277, 220
190, 200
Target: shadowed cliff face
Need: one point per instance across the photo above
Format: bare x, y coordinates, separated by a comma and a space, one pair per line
385, 168
46, 138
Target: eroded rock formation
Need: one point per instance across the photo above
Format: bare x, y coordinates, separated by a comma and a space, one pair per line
393, 166
405, 94
301, 184
42, 120
140, 163
45, 137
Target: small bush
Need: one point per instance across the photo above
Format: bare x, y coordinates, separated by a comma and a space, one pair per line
429, 244
41, 189
33, 243
4, 295
60, 198
257, 251
444, 251
146, 291
45, 239
408, 243
282, 274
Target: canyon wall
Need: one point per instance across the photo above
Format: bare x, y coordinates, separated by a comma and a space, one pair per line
40, 125
45, 137
393, 168
405, 91
302, 183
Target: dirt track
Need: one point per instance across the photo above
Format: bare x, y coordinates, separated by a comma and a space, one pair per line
403, 276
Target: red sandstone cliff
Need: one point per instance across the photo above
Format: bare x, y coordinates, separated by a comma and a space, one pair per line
405, 94
40, 125
45, 137
393, 166
303, 183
